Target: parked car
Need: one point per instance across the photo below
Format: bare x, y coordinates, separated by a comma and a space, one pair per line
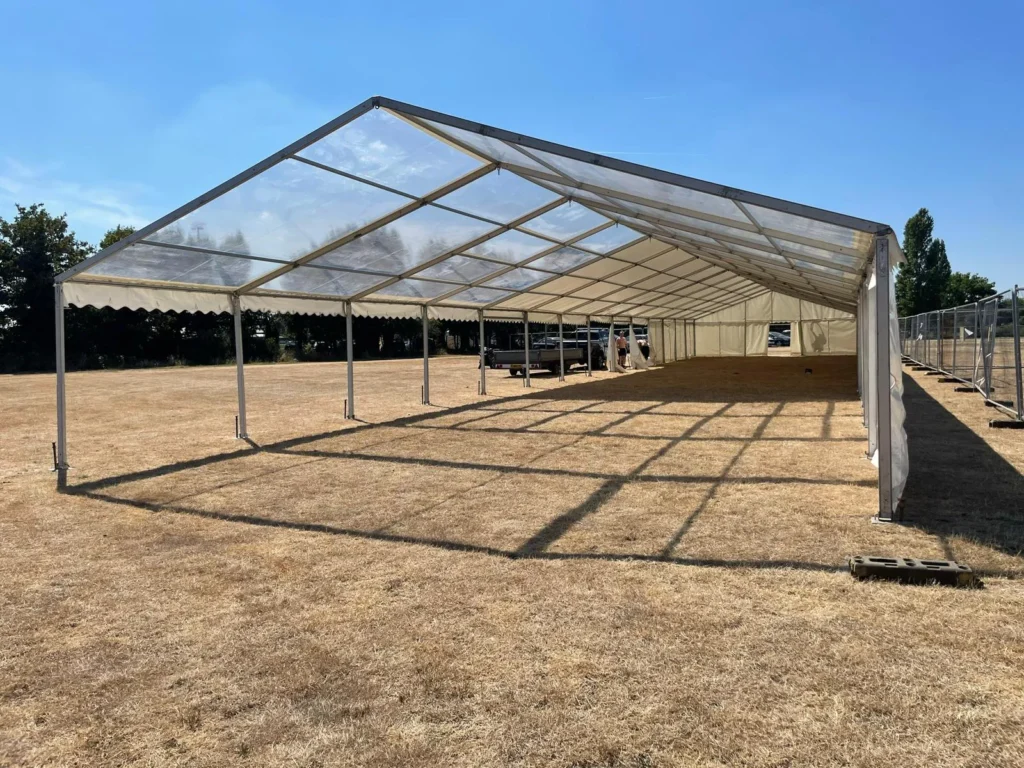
778, 339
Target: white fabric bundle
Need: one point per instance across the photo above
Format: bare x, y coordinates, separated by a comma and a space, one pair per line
635, 355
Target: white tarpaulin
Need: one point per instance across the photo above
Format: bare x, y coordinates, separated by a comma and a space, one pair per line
613, 353
636, 357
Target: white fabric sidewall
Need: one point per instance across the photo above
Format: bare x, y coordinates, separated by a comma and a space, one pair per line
84, 294
900, 450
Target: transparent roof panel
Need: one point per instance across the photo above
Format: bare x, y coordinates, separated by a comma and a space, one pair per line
753, 253
818, 230
388, 150
571, 190
479, 296
565, 222
460, 269
562, 260
630, 184
652, 222
820, 253
491, 148
667, 219
326, 282
692, 237
285, 212
511, 247
407, 242
498, 196
415, 289
609, 239
142, 261
834, 274
518, 279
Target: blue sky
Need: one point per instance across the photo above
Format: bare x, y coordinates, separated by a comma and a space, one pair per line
119, 112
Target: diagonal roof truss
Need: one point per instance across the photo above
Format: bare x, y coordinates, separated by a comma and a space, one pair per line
397, 205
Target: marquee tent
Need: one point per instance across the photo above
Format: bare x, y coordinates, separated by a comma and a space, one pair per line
392, 210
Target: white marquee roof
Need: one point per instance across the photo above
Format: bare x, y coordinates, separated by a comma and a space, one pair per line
393, 207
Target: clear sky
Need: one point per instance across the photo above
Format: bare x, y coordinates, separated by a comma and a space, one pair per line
119, 112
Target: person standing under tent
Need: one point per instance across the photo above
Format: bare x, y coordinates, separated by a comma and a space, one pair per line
622, 346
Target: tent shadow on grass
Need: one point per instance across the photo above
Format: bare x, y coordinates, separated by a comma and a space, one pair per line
958, 485
644, 394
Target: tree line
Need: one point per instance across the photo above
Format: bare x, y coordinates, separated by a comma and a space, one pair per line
926, 281
35, 246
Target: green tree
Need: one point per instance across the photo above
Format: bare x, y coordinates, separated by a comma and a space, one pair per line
921, 282
114, 235
34, 247
966, 288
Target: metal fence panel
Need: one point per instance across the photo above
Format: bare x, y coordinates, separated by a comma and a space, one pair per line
979, 344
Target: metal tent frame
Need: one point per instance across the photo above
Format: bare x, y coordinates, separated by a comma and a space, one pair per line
399, 211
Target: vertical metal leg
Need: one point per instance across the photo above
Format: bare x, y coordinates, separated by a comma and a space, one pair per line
589, 373
426, 357
613, 348
664, 359
526, 348
977, 344
1015, 304
952, 366
236, 306
483, 357
351, 414
62, 432
941, 321
882, 277
561, 352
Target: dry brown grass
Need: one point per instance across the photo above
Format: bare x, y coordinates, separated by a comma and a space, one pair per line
631, 571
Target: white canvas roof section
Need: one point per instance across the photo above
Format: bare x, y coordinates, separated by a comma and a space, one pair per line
394, 207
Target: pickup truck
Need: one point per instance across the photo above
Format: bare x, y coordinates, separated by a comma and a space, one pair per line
544, 355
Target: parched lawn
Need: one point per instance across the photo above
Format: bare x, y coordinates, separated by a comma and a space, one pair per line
637, 570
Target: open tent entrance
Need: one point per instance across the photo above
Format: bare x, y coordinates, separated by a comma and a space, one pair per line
780, 339
392, 210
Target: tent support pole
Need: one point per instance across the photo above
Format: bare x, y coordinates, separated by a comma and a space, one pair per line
62, 431
588, 347
561, 351
426, 357
351, 410
613, 347
663, 358
526, 348
483, 357
882, 277
236, 306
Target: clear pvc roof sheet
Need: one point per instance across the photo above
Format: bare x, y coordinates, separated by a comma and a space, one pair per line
396, 204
